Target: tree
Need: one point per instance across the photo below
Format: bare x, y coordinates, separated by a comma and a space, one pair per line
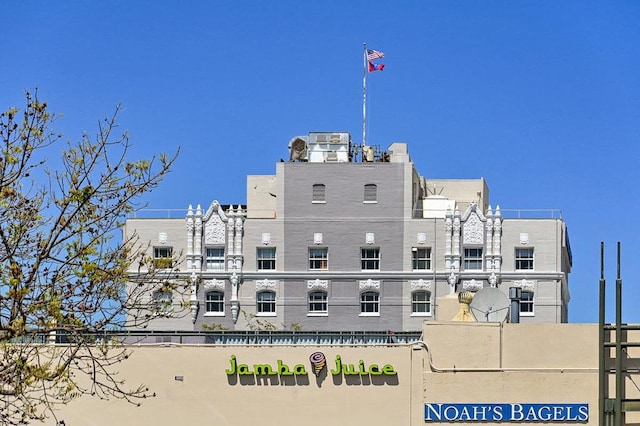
63, 266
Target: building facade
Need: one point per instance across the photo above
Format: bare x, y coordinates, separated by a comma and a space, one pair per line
458, 373
345, 237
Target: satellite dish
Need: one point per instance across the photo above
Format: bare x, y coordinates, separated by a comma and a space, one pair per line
490, 305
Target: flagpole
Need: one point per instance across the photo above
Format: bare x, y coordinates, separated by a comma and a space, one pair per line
364, 97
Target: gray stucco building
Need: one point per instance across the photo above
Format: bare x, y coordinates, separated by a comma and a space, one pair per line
349, 237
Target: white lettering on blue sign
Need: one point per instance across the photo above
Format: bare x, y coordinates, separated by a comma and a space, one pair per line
524, 413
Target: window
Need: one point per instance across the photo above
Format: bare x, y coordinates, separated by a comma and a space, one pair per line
421, 302
526, 303
370, 258
318, 259
318, 193
266, 258
524, 258
163, 257
162, 302
370, 302
214, 303
318, 302
215, 257
473, 259
266, 302
421, 258
370, 193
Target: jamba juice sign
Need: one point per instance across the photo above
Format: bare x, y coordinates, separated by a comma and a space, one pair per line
318, 364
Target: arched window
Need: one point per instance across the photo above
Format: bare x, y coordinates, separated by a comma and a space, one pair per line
369, 302
421, 302
318, 302
214, 302
266, 302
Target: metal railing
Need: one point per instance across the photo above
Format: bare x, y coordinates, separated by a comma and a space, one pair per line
240, 337
531, 213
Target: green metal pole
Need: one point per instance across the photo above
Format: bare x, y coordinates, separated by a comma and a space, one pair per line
619, 417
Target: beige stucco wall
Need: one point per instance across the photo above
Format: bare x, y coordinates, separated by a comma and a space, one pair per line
207, 395
457, 363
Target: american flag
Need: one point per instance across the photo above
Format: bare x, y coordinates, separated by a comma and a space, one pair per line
374, 54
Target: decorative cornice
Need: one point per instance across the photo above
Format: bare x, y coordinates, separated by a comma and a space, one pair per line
214, 284
472, 285
215, 207
420, 285
370, 285
528, 285
318, 284
266, 285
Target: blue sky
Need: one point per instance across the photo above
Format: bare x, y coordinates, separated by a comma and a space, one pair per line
542, 98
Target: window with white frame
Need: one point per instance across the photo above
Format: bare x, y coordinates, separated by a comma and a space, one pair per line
421, 302
524, 258
370, 193
215, 257
421, 258
266, 258
370, 302
318, 302
266, 302
370, 258
214, 302
163, 257
318, 258
473, 259
319, 193
526, 303
162, 301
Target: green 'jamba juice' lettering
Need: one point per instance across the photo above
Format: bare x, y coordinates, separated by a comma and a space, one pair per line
362, 370
264, 369
299, 369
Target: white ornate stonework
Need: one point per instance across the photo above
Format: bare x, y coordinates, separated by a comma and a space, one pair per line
162, 237
318, 284
528, 285
472, 285
266, 238
473, 230
317, 238
214, 231
420, 285
370, 238
421, 238
265, 285
370, 285
214, 284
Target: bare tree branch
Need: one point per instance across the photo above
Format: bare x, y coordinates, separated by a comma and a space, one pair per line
63, 263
